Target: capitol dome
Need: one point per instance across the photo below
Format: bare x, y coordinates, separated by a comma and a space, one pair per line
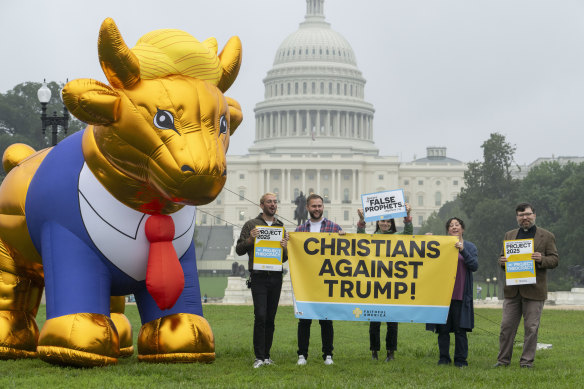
315, 41
314, 95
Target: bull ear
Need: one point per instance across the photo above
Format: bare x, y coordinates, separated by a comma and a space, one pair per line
91, 101
235, 114
119, 64
230, 59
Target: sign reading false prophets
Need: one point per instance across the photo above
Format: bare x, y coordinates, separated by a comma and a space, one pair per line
267, 254
362, 277
519, 268
384, 205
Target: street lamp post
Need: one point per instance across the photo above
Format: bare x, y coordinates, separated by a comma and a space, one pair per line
495, 291
488, 288
44, 95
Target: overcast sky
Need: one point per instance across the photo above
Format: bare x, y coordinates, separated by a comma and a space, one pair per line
439, 72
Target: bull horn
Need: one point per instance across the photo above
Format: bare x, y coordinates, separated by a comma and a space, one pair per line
119, 64
230, 59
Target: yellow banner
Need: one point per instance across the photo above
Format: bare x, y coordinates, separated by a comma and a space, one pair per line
404, 278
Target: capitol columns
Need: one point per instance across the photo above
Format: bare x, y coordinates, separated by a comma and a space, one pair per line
288, 189
355, 183
298, 125
338, 191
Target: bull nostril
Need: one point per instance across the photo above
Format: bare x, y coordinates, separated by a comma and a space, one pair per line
225, 172
187, 168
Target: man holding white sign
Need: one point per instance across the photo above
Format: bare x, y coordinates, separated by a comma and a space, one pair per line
525, 299
264, 240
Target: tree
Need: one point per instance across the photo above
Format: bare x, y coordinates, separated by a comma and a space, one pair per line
436, 222
20, 113
555, 190
491, 178
489, 199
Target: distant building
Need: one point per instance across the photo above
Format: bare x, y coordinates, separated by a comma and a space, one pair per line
314, 133
520, 171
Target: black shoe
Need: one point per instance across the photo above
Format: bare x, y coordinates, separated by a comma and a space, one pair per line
527, 366
443, 362
390, 356
374, 355
499, 364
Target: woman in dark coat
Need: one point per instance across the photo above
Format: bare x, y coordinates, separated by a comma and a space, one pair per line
461, 313
385, 227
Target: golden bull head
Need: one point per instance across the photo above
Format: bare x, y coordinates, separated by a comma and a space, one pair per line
159, 133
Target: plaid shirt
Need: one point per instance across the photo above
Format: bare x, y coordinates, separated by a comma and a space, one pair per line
326, 226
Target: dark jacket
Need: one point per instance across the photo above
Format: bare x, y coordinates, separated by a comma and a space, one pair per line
545, 243
471, 260
243, 246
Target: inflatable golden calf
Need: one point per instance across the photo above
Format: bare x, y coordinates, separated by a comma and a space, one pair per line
110, 211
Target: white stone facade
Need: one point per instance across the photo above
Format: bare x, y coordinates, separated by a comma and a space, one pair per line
314, 133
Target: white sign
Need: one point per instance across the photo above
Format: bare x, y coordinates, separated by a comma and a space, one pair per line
384, 205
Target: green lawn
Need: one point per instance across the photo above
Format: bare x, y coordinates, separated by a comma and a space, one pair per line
213, 286
414, 367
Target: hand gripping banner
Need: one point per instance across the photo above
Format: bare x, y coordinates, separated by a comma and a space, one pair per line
377, 277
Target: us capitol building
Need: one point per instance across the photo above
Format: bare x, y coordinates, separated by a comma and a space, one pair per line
314, 133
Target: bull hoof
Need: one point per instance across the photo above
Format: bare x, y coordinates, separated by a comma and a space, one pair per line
81, 339
18, 335
124, 333
182, 337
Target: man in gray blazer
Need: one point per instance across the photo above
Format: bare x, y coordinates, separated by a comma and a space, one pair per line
526, 300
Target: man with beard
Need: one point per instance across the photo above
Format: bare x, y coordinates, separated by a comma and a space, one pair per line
316, 223
526, 300
266, 285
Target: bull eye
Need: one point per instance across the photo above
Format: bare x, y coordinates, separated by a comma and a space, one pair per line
164, 120
222, 125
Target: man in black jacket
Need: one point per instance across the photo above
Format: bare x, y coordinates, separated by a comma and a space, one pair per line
265, 284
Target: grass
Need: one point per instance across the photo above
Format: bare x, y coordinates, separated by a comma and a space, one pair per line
414, 367
213, 286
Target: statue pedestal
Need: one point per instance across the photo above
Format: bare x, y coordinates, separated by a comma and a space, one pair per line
237, 292
573, 297
286, 295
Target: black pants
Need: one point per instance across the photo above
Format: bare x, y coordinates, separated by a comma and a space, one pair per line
265, 290
390, 336
326, 335
460, 339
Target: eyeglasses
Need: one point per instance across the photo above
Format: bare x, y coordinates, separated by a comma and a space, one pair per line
525, 214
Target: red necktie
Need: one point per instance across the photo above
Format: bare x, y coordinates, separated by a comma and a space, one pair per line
165, 279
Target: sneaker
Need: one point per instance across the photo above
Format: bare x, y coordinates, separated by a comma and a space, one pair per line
257, 363
328, 360
374, 355
268, 361
301, 360
390, 356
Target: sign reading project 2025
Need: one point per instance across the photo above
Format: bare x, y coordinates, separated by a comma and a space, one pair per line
384, 205
267, 254
519, 268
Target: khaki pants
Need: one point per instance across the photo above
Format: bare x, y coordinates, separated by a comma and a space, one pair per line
513, 309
